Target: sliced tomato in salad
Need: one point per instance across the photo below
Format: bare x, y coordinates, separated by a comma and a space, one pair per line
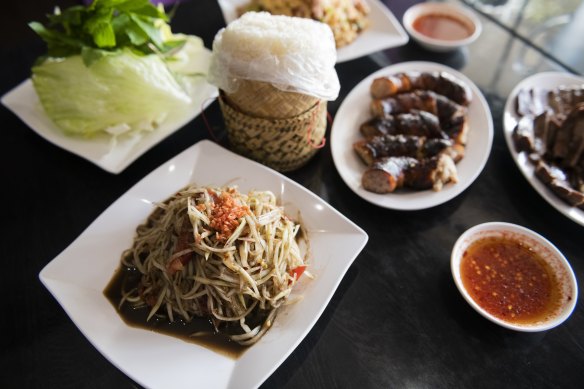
297, 271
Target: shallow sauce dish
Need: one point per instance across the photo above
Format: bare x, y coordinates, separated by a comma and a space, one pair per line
539, 248
441, 27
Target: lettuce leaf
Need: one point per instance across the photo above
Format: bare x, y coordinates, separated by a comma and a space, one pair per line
119, 92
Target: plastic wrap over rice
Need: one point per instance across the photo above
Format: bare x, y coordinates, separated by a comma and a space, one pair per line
293, 54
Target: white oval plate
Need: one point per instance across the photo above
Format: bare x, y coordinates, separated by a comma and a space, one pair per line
78, 276
384, 30
355, 110
541, 80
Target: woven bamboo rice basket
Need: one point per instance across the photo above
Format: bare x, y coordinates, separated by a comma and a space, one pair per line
261, 99
280, 130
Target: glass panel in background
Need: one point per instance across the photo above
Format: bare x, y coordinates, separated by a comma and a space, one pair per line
554, 27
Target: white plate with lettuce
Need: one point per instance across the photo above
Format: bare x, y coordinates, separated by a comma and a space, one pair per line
110, 97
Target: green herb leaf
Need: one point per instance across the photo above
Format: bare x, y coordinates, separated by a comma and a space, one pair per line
108, 25
58, 43
148, 28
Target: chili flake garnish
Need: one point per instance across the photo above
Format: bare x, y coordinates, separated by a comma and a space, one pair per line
225, 215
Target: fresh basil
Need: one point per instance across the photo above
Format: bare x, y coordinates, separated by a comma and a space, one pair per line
108, 26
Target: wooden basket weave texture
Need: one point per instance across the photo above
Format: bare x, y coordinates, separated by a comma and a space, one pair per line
261, 99
282, 144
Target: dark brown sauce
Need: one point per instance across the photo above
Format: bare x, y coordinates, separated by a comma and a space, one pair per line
510, 280
441, 26
133, 317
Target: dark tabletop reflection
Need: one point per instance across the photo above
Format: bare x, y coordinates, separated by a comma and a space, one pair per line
396, 319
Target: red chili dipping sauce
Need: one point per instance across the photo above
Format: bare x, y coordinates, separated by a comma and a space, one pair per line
510, 280
441, 26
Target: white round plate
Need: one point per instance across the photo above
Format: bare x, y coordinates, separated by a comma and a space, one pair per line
355, 110
547, 80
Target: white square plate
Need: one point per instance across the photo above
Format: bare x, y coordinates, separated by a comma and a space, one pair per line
78, 276
384, 30
112, 157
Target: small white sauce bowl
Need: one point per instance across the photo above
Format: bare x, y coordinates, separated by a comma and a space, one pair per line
459, 12
541, 246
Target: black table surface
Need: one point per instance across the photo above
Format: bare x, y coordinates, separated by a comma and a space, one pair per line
396, 319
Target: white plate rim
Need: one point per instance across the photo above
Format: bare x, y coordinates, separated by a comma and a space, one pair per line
69, 287
510, 118
354, 110
384, 32
23, 101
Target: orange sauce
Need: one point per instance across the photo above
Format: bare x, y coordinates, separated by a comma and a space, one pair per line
510, 280
441, 26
